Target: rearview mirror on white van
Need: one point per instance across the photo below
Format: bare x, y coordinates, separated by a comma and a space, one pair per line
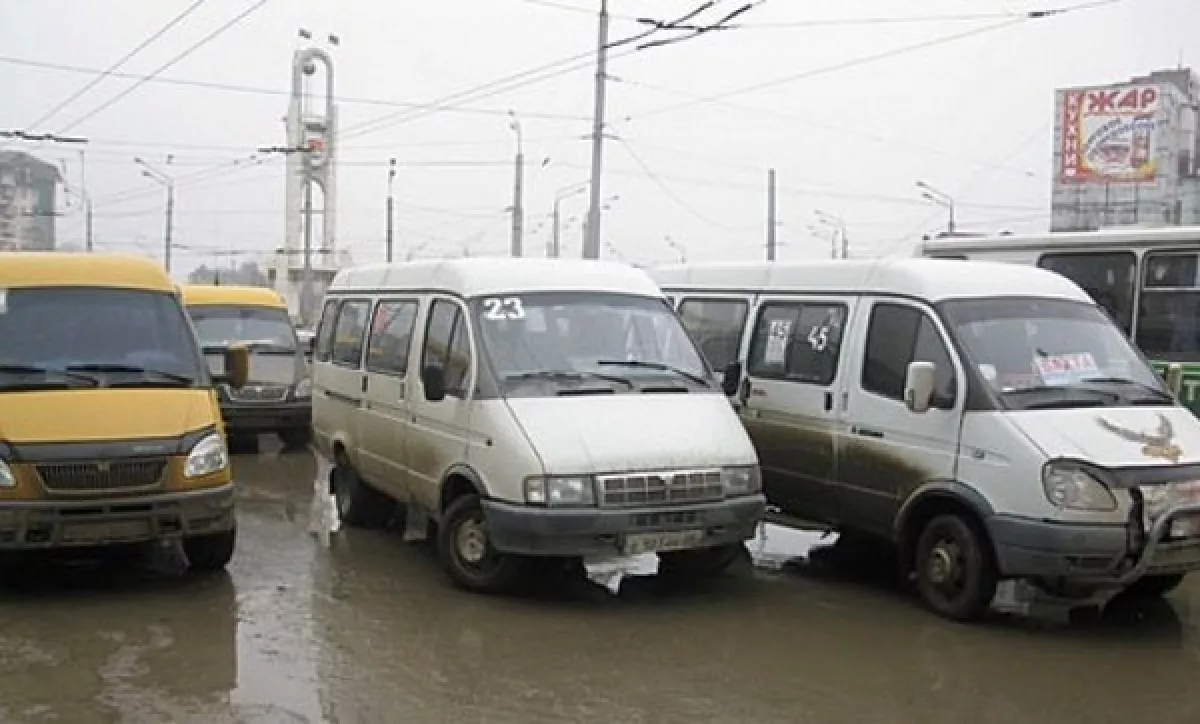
918, 386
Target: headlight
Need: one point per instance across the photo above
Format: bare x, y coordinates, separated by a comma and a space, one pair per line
206, 458
576, 490
304, 389
744, 480
8, 481
1070, 487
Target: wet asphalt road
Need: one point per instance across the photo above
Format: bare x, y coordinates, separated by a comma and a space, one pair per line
367, 629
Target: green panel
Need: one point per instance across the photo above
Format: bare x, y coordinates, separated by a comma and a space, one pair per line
1189, 395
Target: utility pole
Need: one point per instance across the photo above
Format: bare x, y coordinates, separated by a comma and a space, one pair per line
518, 210
390, 206
591, 244
306, 285
556, 244
87, 202
152, 173
771, 215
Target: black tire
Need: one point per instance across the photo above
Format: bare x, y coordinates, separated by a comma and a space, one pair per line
467, 554
955, 573
296, 438
1154, 586
358, 504
210, 553
699, 563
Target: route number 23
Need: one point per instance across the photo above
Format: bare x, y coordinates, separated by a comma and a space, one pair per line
498, 310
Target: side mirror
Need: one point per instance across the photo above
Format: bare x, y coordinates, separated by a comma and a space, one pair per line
434, 380
731, 378
237, 366
1174, 378
918, 386
309, 346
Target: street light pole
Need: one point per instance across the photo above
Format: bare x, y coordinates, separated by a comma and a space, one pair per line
839, 226
518, 210
940, 198
562, 193
151, 173
390, 206
591, 243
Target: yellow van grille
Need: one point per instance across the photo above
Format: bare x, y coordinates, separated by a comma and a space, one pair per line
89, 477
660, 488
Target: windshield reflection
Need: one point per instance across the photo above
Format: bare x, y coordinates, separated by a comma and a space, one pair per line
616, 341
263, 329
1046, 353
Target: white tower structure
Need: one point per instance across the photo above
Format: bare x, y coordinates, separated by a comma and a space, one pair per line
306, 264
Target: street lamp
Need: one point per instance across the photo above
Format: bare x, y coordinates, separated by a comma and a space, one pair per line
839, 226
390, 206
156, 175
563, 193
940, 198
518, 210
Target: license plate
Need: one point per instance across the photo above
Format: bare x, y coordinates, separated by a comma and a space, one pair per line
110, 530
661, 542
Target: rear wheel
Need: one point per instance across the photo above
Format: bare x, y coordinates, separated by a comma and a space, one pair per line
1154, 586
467, 554
956, 576
358, 504
699, 563
212, 552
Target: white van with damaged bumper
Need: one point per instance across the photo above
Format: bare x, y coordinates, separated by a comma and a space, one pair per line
987, 418
530, 409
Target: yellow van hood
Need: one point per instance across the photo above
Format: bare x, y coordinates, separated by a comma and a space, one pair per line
103, 414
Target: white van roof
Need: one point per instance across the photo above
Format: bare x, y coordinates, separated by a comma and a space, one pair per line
1111, 238
480, 276
932, 280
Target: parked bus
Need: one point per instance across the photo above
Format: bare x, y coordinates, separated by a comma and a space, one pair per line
1148, 280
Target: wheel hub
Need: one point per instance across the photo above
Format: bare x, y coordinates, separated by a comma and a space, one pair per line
942, 566
471, 540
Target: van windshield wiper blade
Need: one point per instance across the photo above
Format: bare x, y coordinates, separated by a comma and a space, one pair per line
162, 375
1148, 389
566, 375
654, 366
1063, 398
18, 369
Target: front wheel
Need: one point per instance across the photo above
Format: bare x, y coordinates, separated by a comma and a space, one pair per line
467, 554
956, 576
699, 563
1154, 586
212, 552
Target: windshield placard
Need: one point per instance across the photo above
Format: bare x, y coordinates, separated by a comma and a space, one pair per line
1064, 369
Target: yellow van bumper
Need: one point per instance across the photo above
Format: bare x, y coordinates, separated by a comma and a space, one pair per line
41, 524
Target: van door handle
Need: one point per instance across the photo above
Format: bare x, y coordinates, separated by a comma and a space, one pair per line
364, 383
828, 401
867, 432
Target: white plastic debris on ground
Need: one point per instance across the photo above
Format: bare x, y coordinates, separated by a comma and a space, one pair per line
777, 545
323, 517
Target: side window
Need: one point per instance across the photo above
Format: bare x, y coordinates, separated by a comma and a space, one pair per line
1109, 278
391, 336
447, 346
716, 325
348, 333
324, 346
797, 342
897, 336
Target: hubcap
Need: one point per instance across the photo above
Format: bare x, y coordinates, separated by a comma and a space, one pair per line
471, 540
941, 565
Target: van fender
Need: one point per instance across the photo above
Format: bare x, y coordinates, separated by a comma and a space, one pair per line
952, 490
450, 487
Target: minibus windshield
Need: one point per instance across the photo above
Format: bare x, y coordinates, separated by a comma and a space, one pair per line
67, 337
263, 329
1047, 353
616, 341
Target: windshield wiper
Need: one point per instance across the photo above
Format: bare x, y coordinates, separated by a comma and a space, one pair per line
35, 370
1152, 391
263, 347
565, 375
654, 366
1065, 400
163, 376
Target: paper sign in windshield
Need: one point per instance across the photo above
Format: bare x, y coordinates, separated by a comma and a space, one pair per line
777, 339
1063, 369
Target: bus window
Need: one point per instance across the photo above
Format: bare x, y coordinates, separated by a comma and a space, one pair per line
1108, 277
1167, 316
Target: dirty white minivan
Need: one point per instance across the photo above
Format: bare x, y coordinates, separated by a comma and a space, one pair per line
988, 418
530, 409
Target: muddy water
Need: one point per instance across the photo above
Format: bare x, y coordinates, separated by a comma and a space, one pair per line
365, 628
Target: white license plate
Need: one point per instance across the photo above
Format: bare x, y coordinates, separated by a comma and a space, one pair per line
114, 530
675, 540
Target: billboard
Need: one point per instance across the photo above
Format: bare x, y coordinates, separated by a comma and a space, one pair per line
1109, 134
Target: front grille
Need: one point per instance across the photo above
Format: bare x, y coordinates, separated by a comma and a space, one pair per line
671, 487
258, 393
100, 476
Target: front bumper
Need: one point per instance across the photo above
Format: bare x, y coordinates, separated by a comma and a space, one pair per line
528, 530
266, 417
44, 524
1101, 555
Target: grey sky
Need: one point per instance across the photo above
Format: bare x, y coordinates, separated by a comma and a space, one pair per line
973, 117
